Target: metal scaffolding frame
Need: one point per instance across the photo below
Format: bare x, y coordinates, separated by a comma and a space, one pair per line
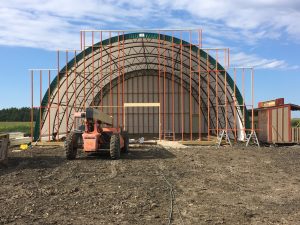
191, 84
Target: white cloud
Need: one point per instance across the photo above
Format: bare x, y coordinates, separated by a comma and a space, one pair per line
52, 24
241, 59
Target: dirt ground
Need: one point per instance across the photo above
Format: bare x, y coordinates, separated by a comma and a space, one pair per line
151, 184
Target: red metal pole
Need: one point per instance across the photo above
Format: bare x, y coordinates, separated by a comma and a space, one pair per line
243, 88
173, 89
199, 86
201, 38
252, 99
93, 70
158, 58
235, 108
81, 40
217, 104
228, 58
49, 109
191, 106
110, 76
164, 89
58, 98
84, 78
119, 74
101, 72
31, 105
208, 96
75, 85
40, 104
226, 113
67, 95
181, 86
123, 79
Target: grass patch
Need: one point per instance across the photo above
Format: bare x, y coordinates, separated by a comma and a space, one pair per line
16, 127
296, 122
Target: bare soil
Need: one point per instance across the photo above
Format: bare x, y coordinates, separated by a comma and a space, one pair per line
152, 185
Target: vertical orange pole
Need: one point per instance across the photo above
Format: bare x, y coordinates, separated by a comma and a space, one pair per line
101, 72
81, 40
181, 86
110, 77
84, 67
208, 96
217, 97
235, 108
67, 95
228, 58
252, 99
199, 87
158, 58
119, 73
58, 98
173, 89
226, 113
200, 38
49, 109
243, 88
164, 88
75, 84
31, 105
190, 94
123, 78
93, 70
41, 83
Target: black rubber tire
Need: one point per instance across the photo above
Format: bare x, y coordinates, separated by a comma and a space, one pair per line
126, 141
71, 145
115, 146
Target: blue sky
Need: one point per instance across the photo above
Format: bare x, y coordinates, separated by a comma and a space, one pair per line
264, 34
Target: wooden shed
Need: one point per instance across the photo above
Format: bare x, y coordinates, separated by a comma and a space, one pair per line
274, 122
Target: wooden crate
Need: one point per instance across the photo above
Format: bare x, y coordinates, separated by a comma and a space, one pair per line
4, 139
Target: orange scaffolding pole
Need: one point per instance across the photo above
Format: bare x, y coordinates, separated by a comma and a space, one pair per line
190, 94
123, 78
40, 108
234, 102
243, 88
164, 90
181, 86
173, 89
217, 97
84, 75
110, 77
158, 58
199, 86
48, 104
208, 95
226, 110
101, 72
67, 94
119, 73
58, 99
75, 84
31, 105
252, 100
93, 70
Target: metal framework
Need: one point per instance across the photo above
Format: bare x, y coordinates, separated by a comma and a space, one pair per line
197, 96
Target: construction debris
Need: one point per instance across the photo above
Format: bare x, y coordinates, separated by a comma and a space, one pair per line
4, 138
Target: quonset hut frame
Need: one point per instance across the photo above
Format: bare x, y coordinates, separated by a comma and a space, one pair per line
197, 96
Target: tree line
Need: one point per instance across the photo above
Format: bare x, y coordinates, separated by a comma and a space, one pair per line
17, 114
